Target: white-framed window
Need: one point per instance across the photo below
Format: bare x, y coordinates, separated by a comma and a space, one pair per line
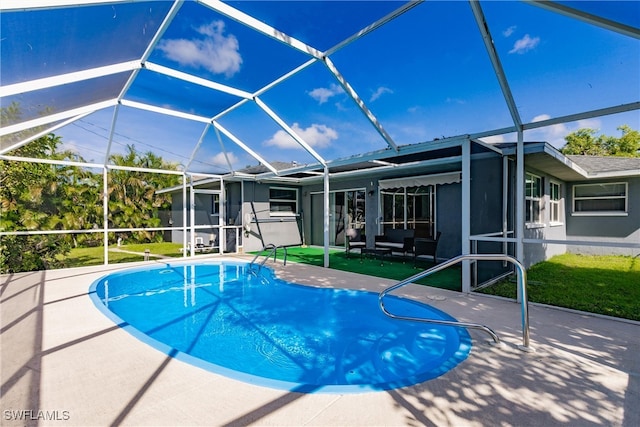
600, 199
411, 208
283, 201
215, 204
555, 203
533, 199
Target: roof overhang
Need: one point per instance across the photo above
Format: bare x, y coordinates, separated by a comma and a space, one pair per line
544, 157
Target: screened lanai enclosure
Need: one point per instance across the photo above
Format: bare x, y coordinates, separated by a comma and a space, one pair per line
244, 123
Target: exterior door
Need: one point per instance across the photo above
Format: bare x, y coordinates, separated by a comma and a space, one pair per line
346, 210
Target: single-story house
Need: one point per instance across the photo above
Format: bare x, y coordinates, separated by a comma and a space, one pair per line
579, 204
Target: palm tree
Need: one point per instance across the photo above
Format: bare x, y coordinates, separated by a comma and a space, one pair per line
133, 202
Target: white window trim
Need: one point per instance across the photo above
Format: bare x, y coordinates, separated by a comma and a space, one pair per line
213, 198
601, 213
284, 214
405, 196
559, 202
530, 225
540, 199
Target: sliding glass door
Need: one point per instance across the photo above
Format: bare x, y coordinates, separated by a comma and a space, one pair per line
346, 210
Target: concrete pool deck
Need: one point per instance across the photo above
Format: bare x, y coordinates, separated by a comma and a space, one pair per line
65, 364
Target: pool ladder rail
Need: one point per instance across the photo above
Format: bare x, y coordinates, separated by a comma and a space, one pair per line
273, 250
522, 282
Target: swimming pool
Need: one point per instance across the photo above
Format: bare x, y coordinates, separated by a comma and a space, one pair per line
259, 329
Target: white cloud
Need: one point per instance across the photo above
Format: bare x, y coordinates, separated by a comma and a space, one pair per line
553, 134
379, 92
322, 94
88, 154
540, 118
589, 123
410, 132
525, 44
341, 107
220, 159
509, 31
315, 135
495, 139
455, 101
215, 51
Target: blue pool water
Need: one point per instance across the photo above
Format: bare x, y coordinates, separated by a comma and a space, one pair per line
262, 330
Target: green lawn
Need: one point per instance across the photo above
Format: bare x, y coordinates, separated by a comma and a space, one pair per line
80, 257
607, 285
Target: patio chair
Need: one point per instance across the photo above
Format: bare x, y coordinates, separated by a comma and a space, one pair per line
199, 243
424, 246
355, 240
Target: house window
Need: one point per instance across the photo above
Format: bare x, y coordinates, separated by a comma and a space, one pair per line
555, 209
533, 197
410, 208
594, 199
283, 201
215, 204
393, 208
420, 210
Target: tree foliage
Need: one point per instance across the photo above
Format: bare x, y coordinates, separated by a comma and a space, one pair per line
43, 197
133, 202
586, 142
30, 195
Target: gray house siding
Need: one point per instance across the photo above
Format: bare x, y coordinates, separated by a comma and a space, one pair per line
267, 228
486, 216
599, 228
203, 216
448, 219
233, 203
486, 195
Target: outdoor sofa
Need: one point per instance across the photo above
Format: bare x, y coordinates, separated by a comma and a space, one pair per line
396, 240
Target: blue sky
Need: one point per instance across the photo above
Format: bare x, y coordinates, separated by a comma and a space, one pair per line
424, 75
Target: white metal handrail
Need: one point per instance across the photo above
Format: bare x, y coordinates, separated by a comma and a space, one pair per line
273, 249
522, 281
